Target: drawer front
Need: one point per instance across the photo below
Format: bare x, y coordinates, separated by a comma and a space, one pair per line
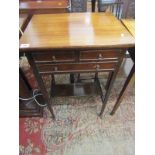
99, 55
79, 67
54, 57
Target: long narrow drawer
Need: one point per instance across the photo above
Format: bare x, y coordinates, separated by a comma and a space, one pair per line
54, 57
76, 67
100, 55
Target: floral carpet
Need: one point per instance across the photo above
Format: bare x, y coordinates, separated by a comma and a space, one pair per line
77, 129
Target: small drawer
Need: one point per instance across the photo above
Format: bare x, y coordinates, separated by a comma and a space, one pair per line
99, 55
76, 67
54, 57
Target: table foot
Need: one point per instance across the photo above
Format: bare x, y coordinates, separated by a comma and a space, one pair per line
51, 111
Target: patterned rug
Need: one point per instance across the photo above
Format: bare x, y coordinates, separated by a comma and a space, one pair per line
78, 130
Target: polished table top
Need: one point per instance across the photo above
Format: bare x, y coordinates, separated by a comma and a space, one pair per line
130, 25
75, 30
40, 6
43, 4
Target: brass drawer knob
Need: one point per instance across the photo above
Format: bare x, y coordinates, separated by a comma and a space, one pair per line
97, 67
100, 56
53, 58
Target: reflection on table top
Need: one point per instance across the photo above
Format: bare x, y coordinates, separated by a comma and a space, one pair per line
75, 30
130, 25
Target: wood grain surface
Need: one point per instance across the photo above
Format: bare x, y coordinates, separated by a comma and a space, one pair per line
75, 30
47, 6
